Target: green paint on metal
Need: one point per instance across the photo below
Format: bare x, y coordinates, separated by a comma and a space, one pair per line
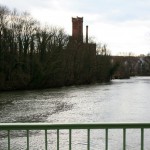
88, 126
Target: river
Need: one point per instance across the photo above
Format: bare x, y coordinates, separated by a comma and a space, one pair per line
117, 101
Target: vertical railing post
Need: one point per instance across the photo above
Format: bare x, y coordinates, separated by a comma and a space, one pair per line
142, 139
69, 139
124, 138
57, 139
88, 139
27, 139
45, 139
106, 139
8, 139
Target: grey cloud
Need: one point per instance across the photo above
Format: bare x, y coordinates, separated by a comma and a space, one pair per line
23, 5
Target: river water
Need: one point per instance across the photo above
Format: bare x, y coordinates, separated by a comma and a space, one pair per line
117, 101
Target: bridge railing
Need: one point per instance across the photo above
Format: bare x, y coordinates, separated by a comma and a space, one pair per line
88, 126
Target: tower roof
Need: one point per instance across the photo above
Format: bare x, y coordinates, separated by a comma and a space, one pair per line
77, 18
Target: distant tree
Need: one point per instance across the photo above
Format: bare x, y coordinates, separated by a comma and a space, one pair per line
32, 56
101, 49
103, 63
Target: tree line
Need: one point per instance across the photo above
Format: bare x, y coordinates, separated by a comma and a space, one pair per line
32, 56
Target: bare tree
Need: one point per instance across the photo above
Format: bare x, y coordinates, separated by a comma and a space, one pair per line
101, 49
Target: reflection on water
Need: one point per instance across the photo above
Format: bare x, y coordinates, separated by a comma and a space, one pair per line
118, 101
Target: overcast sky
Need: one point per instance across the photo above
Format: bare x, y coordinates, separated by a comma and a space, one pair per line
124, 25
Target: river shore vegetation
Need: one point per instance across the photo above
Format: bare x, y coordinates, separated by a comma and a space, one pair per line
33, 56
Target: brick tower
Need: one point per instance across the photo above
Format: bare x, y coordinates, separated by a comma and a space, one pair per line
77, 29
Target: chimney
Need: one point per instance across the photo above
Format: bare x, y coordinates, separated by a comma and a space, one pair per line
86, 34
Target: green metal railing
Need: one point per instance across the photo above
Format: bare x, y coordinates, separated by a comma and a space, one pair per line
88, 126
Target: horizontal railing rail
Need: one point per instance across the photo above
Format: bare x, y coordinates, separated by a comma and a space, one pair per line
88, 126
48, 126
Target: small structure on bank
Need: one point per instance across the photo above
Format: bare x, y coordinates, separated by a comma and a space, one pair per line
83, 54
77, 35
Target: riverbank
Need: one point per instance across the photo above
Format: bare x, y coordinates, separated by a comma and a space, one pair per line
9, 88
